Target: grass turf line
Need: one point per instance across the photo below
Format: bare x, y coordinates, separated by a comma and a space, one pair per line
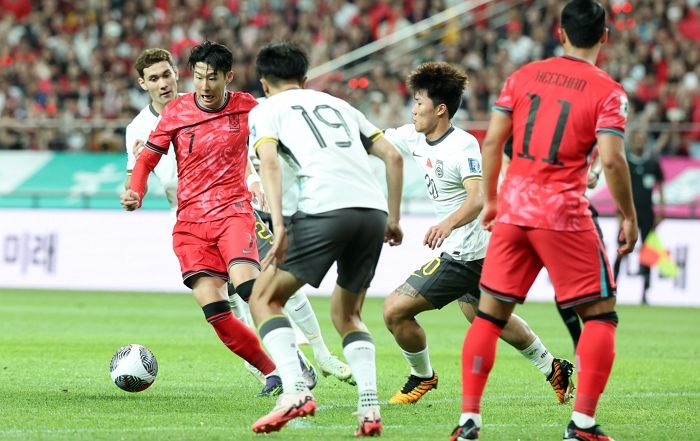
55, 348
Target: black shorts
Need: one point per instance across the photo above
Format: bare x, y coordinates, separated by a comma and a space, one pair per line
263, 234
352, 237
444, 279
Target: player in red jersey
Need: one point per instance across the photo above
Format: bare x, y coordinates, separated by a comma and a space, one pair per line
556, 110
214, 237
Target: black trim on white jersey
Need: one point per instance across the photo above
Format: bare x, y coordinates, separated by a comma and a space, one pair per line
442, 138
153, 111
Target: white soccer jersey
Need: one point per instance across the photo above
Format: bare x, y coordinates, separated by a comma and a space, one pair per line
448, 162
319, 137
166, 170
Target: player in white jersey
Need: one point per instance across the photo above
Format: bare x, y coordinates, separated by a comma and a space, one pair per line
341, 217
158, 76
451, 161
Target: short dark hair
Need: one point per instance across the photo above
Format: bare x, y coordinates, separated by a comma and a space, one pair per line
282, 61
215, 55
149, 57
584, 22
442, 82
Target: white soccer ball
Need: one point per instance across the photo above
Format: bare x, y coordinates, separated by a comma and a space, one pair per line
133, 368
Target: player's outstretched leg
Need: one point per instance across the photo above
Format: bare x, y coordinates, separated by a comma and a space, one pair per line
558, 372
400, 310
272, 382
299, 310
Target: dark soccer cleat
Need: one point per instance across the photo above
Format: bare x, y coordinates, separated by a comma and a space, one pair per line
272, 388
561, 379
468, 430
574, 433
414, 389
308, 371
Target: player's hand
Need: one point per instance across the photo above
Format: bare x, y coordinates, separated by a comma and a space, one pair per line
628, 236
436, 235
138, 147
488, 215
259, 196
130, 200
394, 233
278, 250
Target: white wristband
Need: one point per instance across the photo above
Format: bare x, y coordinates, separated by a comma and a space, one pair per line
252, 179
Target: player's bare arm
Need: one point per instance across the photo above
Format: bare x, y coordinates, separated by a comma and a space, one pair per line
272, 183
500, 128
617, 176
467, 212
393, 161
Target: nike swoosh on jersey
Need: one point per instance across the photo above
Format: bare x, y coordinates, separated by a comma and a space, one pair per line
417, 155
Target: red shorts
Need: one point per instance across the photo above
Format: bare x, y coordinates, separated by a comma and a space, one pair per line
576, 262
213, 247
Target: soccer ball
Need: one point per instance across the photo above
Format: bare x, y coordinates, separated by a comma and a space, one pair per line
133, 368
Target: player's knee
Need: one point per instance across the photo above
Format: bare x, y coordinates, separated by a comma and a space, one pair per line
244, 289
610, 317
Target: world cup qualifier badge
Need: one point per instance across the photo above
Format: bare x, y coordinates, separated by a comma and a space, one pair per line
438, 168
234, 124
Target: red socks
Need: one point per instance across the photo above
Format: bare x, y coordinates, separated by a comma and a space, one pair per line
478, 355
594, 359
238, 337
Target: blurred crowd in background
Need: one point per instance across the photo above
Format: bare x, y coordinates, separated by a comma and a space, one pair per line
67, 82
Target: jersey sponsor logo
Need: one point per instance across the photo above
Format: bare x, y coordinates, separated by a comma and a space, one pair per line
234, 123
474, 166
438, 168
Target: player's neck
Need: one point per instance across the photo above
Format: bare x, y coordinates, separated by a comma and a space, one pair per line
439, 131
282, 88
588, 55
157, 107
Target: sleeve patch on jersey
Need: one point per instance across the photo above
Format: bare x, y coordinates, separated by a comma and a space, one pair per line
156, 149
265, 139
474, 166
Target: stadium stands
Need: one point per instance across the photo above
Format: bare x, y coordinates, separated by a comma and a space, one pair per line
66, 81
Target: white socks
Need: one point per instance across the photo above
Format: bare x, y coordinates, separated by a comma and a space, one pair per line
539, 356
299, 310
280, 343
360, 357
419, 362
467, 416
582, 421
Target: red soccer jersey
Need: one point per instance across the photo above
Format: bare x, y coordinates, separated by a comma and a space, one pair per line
558, 107
212, 154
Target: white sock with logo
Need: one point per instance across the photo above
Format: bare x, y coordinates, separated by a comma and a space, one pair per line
539, 356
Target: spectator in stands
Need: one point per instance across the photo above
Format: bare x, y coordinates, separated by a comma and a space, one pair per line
63, 50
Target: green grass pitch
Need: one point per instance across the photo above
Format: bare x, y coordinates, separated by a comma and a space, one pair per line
55, 348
